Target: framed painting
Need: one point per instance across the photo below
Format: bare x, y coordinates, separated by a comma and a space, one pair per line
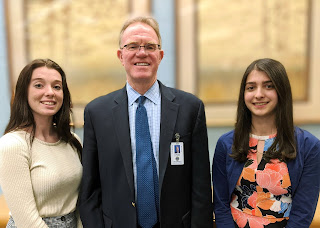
219, 39
83, 40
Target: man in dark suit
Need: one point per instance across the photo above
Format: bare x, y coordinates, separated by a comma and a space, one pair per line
110, 194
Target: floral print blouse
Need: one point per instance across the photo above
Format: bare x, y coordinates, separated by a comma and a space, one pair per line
262, 197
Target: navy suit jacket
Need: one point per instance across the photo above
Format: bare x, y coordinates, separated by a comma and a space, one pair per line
304, 173
107, 194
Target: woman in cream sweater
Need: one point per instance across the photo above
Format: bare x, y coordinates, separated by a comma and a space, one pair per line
40, 168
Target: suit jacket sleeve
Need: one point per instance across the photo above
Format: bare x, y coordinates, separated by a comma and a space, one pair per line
305, 197
202, 211
221, 195
90, 191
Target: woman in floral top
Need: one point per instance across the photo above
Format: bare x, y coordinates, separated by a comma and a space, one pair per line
266, 172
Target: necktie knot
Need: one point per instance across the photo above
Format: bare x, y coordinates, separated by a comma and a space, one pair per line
141, 100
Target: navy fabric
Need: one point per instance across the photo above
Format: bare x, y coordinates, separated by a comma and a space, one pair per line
147, 177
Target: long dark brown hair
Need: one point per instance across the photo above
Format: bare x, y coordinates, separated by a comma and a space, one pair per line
284, 146
21, 116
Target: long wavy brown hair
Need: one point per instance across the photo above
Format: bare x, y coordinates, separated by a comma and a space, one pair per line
284, 145
21, 116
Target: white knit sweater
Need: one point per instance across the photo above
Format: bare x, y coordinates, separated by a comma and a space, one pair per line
39, 182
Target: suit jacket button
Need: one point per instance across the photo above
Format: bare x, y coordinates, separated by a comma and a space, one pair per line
133, 204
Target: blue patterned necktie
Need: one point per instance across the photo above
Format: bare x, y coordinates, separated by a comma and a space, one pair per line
147, 177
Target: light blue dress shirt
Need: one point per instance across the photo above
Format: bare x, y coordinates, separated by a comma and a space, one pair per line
153, 107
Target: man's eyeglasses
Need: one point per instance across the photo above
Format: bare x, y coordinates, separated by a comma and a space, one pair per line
136, 47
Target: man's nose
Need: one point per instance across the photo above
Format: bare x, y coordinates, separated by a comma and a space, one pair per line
142, 50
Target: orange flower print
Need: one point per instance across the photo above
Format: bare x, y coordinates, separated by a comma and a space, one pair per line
256, 212
270, 179
263, 201
238, 218
248, 174
252, 157
263, 191
277, 166
257, 222
252, 200
242, 218
253, 142
286, 181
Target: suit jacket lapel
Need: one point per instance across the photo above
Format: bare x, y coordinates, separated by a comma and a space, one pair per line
121, 123
169, 113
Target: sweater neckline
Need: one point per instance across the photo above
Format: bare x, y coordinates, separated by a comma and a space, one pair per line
41, 141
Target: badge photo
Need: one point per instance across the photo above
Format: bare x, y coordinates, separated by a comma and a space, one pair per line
177, 153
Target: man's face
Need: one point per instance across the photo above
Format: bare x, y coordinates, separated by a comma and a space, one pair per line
141, 65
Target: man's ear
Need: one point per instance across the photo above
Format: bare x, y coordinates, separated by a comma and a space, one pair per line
161, 55
119, 54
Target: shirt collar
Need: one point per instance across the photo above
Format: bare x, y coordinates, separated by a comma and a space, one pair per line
153, 94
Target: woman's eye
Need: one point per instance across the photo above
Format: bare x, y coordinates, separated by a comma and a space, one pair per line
269, 86
250, 88
38, 85
57, 87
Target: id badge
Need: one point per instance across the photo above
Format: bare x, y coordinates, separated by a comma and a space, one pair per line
177, 153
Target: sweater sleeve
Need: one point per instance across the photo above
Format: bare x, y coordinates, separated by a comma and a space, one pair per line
16, 183
221, 197
304, 201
